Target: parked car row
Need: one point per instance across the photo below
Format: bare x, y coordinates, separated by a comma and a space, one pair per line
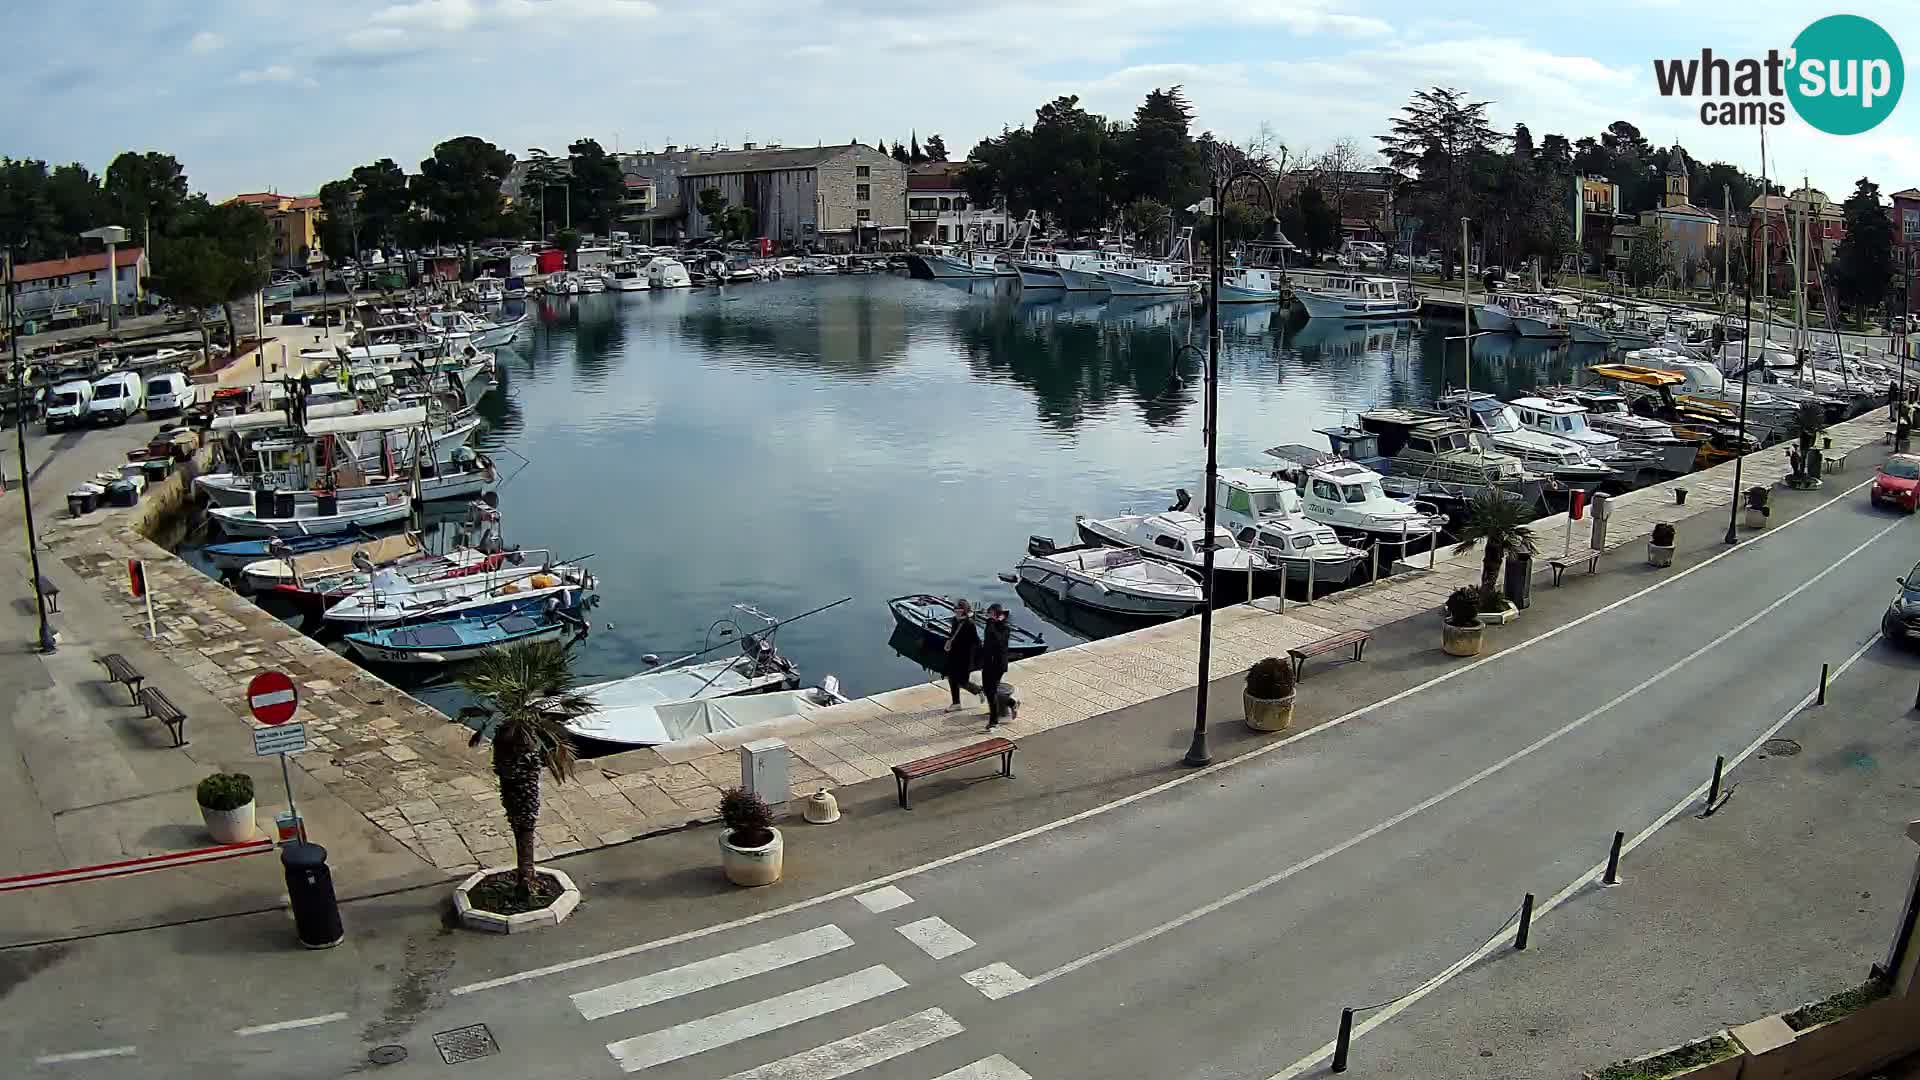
116, 397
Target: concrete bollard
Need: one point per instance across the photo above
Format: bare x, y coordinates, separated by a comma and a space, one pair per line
1341, 1043
1613, 861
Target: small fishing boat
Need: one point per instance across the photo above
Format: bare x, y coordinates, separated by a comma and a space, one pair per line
313, 594
325, 516
1350, 296
1119, 581
391, 599
286, 561
932, 618
1250, 285
450, 641
1179, 537
644, 723
237, 554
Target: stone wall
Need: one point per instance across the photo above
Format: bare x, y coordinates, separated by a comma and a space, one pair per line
887, 183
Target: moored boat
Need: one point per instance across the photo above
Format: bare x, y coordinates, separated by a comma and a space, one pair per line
1118, 581
450, 641
931, 617
325, 515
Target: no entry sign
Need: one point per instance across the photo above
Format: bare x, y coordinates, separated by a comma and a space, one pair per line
272, 698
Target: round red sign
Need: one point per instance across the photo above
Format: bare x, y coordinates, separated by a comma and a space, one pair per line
272, 698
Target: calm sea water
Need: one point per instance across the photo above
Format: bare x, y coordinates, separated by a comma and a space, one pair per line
789, 443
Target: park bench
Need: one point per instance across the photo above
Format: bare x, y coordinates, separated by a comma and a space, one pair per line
1356, 639
122, 672
1562, 563
52, 592
160, 707
953, 759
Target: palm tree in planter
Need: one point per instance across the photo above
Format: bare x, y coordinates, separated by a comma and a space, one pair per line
1498, 522
526, 697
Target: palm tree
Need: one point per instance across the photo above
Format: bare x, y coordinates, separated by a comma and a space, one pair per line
1498, 521
526, 697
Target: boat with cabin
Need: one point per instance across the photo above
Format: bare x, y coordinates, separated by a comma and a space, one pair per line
1351, 499
1567, 420
1180, 537
666, 272
1356, 296
624, 275
1607, 413
1425, 455
1252, 285
1264, 511
1496, 426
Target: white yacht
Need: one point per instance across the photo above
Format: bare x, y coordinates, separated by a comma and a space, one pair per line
1568, 420
1351, 499
664, 272
1263, 511
1114, 580
623, 275
1498, 429
1352, 296
1179, 537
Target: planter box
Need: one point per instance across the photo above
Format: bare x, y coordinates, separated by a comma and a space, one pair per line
1659, 555
1727, 1068
1878, 1033
1499, 618
552, 915
1268, 714
755, 866
233, 826
1461, 640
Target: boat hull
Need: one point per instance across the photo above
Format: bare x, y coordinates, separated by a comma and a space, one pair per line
1039, 277
393, 647
1493, 317
234, 524
940, 266
913, 615
1589, 334
1320, 306
1082, 280
1528, 326
1085, 592
1126, 285
1231, 585
1240, 294
236, 491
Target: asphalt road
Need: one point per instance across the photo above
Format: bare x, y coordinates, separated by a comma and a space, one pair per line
1210, 927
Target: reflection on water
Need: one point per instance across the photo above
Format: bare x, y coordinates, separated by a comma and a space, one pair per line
791, 442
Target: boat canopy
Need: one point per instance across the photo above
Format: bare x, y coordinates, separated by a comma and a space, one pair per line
1633, 373
250, 421
373, 421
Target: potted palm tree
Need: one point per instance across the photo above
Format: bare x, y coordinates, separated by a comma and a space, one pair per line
1460, 629
1497, 521
226, 806
751, 850
1269, 695
1759, 499
524, 698
1660, 545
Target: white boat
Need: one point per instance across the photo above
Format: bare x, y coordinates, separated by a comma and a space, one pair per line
486, 289
1567, 420
310, 520
1351, 499
1079, 271
464, 328
1179, 537
1128, 275
1608, 412
623, 275
1425, 455
1264, 511
967, 262
1116, 580
1539, 317
1351, 296
1495, 424
1251, 285
1039, 270
463, 480
327, 576
668, 273
1769, 418
589, 282
1496, 314
390, 599
792, 266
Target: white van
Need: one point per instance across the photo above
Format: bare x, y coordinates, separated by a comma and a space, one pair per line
67, 405
168, 392
117, 397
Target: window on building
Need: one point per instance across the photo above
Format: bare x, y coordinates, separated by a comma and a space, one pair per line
863, 214
1910, 226
863, 193
943, 234
863, 170
946, 204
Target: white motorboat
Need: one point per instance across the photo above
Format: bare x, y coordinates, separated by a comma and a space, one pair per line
1352, 500
464, 479
1538, 317
464, 328
1769, 418
967, 262
283, 566
1608, 413
589, 283
1116, 580
1179, 537
1264, 511
1567, 420
1079, 271
1351, 296
390, 598
487, 289
1422, 454
1251, 285
1039, 270
1494, 423
1496, 314
623, 275
321, 517
1127, 275
668, 273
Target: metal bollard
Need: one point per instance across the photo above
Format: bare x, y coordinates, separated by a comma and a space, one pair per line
1713, 790
1310, 563
1822, 699
1613, 861
1340, 1044
1526, 922
1376, 561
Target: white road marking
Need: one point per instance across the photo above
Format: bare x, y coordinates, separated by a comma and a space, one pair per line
936, 937
844, 1057
987, 1068
1590, 877
885, 899
722, 1029
289, 1025
996, 981
1434, 800
84, 1055
714, 971
1128, 800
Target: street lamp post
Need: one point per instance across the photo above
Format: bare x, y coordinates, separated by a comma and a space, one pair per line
20, 428
1197, 754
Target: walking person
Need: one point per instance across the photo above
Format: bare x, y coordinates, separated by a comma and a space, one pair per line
963, 644
993, 660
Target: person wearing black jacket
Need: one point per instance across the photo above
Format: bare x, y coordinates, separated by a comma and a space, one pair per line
993, 660
962, 645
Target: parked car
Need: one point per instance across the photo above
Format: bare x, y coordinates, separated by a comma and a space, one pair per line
1897, 482
168, 392
116, 398
1901, 623
67, 405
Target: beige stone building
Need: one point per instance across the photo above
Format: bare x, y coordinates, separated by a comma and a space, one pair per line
828, 198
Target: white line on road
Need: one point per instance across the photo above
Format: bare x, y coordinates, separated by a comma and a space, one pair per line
882, 900
1692, 798
1138, 796
83, 1055
289, 1025
996, 981
936, 937
1434, 800
987, 1068
843, 1057
721, 1029
714, 971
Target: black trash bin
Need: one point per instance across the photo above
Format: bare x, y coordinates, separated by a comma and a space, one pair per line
263, 502
327, 503
1519, 583
283, 504
316, 914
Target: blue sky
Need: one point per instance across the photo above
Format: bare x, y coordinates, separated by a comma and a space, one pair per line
285, 96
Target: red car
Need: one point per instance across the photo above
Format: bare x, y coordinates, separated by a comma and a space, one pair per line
1897, 482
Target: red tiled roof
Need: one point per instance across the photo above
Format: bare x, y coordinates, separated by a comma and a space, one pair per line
258, 198
305, 202
79, 264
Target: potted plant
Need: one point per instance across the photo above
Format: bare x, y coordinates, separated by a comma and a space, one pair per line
1460, 631
1498, 522
226, 805
751, 850
1269, 695
1808, 422
1660, 545
1759, 504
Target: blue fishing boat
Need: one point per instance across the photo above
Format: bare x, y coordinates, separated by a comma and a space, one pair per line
450, 641
235, 554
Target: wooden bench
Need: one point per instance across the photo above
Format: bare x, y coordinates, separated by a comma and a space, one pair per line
52, 592
953, 759
1562, 563
160, 707
1356, 638
122, 672
1834, 460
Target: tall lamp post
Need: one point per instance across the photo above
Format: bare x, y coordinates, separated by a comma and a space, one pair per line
20, 422
1197, 754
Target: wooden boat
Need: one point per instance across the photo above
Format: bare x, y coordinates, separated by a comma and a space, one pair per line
449, 641
932, 618
238, 554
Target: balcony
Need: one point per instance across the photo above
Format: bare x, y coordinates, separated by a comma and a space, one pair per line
926, 215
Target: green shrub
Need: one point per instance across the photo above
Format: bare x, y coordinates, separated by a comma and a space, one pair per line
225, 791
1463, 606
1270, 678
1663, 535
748, 818
1850, 1000
1691, 1056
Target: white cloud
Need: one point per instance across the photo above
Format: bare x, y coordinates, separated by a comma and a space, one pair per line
577, 10
204, 42
376, 40
446, 16
273, 73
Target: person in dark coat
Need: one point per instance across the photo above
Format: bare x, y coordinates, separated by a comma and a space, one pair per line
993, 660
963, 644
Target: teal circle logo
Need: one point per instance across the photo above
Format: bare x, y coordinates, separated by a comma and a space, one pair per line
1846, 75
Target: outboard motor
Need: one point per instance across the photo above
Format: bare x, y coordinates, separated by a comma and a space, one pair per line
1041, 546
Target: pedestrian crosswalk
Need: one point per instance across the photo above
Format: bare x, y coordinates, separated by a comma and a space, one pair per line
727, 1035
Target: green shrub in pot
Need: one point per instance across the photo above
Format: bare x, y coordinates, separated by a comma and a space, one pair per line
1269, 695
1460, 630
752, 852
225, 791
1660, 545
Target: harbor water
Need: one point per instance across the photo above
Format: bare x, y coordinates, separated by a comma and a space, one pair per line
787, 443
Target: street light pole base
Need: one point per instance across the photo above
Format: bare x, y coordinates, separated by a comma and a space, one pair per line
1197, 756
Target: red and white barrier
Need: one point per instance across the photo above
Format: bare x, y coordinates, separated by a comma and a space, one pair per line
217, 853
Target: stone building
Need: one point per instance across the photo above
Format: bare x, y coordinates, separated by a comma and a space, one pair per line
828, 198
1689, 230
